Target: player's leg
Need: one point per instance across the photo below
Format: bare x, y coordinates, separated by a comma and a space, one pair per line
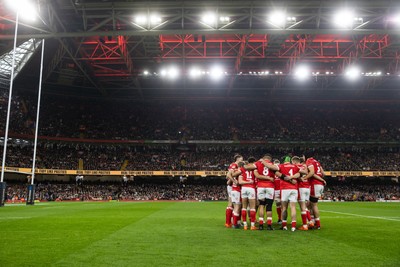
244, 210
269, 202
236, 208
284, 203
318, 189
293, 197
252, 206
303, 208
278, 205
261, 207
229, 208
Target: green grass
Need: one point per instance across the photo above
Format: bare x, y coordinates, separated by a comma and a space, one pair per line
191, 234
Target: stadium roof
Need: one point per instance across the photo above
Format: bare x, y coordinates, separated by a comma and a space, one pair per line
217, 49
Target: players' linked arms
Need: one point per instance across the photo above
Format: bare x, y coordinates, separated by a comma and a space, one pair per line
236, 173
250, 167
242, 182
262, 177
322, 171
270, 166
293, 177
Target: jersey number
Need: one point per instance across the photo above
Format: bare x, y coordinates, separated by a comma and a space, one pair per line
249, 175
291, 172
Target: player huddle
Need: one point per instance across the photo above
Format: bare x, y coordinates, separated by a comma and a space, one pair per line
253, 184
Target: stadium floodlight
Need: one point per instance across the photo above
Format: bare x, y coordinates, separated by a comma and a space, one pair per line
173, 73
353, 73
155, 19
216, 73
25, 9
195, 73
209, 18
277, 18
146, 72
163, 73
224, 19
344, 18
302, 72
141, 20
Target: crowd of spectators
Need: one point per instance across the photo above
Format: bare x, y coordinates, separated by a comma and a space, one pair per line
123, 120
116, 191
357, 190
52, 155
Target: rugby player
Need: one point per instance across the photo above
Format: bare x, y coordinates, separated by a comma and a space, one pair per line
288, 173
316, 175
277, 183
304, 191
265, 191
233, 183
247, 181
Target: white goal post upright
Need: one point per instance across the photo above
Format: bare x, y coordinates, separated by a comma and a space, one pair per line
3, 185
31, 187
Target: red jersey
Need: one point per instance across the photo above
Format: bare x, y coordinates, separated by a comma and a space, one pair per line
317, 170
232, 168
261, 169
288, 170
248, 176
301, 184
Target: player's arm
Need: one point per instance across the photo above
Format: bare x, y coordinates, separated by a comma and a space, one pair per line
242, 181
270, 166
250, 167
262, 177
310, 173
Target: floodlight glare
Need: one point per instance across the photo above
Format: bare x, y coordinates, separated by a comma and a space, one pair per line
278, 18
155, 19
302, 72
146, 72
216, 73
141, 20
209, 18
173, 73
353, 73
224, 19
344, 18
163, 73
195, 73
25, 9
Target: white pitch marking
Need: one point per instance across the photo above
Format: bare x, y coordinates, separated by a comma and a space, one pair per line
364, 216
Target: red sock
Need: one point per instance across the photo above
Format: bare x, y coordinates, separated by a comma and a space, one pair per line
279, 211
317, 222
253, 216
304, 217
269, 220
293, 224
261, 221
235, 219
228, 215
308, 215
284, 223
244, 215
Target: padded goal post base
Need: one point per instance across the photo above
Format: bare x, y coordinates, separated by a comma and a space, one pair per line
3, 193
30, 200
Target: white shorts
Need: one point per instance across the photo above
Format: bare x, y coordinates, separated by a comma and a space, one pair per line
235, 196
229, 190
290, 195
248, 192
317, 190
265, 192
277, 196
304, 194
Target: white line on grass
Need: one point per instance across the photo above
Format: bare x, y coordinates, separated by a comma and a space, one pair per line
364, 216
